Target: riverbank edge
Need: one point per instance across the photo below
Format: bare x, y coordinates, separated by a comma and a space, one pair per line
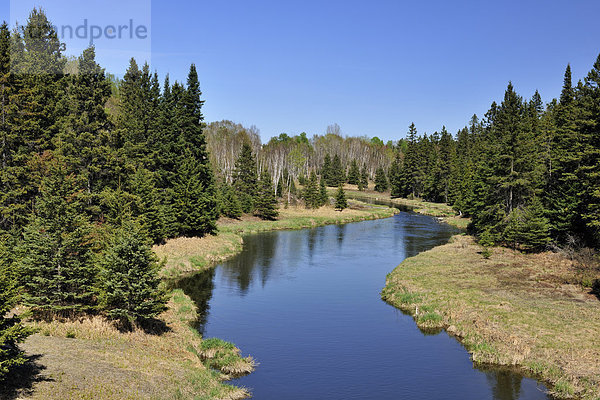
443, 212
187, 256
192, 355
419, 285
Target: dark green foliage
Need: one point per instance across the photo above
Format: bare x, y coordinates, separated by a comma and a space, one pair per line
311, 192
245, 180
195, 200
364, 179
55, 255
381, 182
229, 204
326, 172
130, 291
338, 174
340, 199
528, 228
265, 205
354, 173
323, 196
12, 330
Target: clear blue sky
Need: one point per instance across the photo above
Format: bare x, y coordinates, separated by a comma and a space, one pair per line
372, 67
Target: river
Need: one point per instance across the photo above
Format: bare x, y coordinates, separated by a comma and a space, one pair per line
306, 305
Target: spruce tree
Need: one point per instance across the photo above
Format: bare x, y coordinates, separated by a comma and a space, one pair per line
245, 180
326, 172
56, 252
130, 286
311, 194
381, 183
396, 186
229, 204
12, 330
265, 205
363, 184
340, 199
323, 196
527, 227
195, 201
353, 173
338, 175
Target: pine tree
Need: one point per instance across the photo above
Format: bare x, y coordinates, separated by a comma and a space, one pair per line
56, 253
338, 175
148, 207
323, 196
527, 227
381, 183
245, 180
326, 172
229, 204
354, 173
364, 179
83, 140
130, 291
395, 175
195, 201
12, 330
311, 194
266, 202
340, 199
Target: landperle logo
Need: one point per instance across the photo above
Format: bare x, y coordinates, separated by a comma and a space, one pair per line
93, 32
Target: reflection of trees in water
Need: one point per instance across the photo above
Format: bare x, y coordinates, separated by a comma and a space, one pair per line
341, 229
199, 287
505, 384
257, 256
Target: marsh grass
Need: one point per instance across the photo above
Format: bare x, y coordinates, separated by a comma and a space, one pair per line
101, 362
512, 309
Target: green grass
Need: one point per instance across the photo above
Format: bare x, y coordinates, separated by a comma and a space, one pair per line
511, 309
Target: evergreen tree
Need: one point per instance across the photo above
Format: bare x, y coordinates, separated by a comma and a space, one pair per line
57, 248
245, 180
363, 184
195, 201
12, 330
311, 194
354, 173
323, 196
229, 203
395, 175
130, 291
147, 206
340, 199
528, 228
381, 183
266, 202
338, 175
326, 172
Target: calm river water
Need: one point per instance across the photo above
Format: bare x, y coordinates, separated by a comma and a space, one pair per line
306, 305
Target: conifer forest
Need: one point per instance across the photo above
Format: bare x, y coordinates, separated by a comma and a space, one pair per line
95, 170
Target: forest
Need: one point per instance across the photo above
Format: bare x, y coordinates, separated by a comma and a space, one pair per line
94, 170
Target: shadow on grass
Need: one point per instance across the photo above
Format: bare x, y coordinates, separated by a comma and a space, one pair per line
21, 380
151, 326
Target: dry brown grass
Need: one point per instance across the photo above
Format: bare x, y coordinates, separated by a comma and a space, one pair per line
187, 255
511, 309
91, 359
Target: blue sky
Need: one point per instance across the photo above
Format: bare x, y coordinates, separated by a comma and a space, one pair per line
372, 67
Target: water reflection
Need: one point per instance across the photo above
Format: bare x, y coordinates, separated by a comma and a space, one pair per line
299, 301
200, 288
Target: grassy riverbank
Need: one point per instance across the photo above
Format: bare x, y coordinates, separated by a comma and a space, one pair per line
510, 309
439, 210
188, 255
90, 359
